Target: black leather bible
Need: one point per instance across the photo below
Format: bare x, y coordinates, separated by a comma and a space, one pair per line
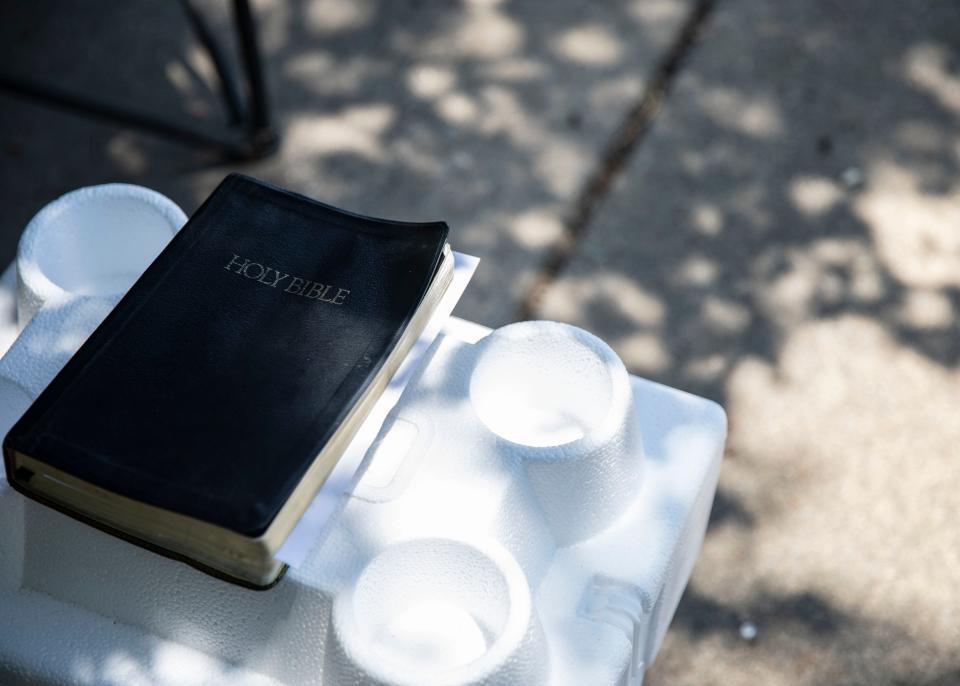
204, 413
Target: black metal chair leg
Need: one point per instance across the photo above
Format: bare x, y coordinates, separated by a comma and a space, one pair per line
262, 136
249, 134
228, 85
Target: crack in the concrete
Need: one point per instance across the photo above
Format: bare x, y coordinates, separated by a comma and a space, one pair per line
615, 155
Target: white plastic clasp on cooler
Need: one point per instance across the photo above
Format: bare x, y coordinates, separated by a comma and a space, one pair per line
529, 513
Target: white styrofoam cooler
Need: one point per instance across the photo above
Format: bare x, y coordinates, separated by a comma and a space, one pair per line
529, 514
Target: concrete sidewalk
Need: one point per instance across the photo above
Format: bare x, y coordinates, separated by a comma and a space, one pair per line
783, 236
487, 115
786, 240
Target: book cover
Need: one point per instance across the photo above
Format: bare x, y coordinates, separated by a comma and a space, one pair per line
213, 387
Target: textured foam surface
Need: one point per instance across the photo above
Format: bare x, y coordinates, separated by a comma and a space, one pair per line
61, 251
529, 514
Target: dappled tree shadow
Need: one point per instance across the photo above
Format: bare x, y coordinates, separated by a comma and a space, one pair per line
762, 192
800, 638
804, 170
488, 115
699, 615
796, 197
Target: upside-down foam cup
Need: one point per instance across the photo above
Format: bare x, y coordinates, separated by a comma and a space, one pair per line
560, 401
437, 611
92, 241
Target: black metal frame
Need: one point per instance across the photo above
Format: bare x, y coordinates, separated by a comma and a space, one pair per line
248, 135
